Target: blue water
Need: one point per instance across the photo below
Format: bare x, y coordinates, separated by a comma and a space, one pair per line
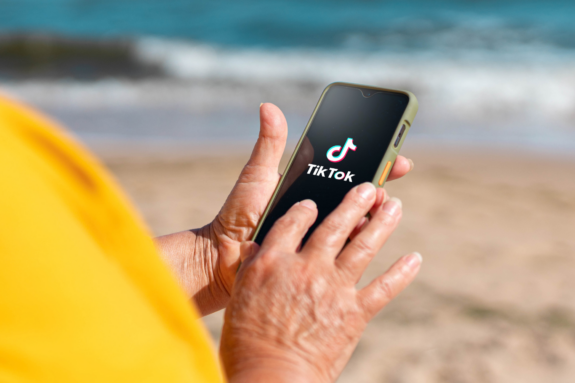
496, 71
367, 25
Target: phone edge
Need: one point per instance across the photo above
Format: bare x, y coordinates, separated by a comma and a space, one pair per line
392, 152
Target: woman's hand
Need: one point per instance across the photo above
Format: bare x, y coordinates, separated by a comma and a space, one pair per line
297, 316
205, 260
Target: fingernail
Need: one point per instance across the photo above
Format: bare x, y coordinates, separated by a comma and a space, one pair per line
263, 103
411, 164
366, 190
413, 260
393, 206
309, 204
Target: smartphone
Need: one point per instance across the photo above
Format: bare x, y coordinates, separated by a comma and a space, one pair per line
353, 136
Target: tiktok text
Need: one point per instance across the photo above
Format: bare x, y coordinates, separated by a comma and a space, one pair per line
318, 171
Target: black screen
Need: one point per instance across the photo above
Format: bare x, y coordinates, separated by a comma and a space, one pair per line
326, 165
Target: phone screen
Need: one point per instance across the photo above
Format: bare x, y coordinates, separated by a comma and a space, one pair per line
342, 148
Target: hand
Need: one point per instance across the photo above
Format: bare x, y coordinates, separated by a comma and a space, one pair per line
297, 316
205, 260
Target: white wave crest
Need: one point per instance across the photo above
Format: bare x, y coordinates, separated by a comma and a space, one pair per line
470, 88
531, 98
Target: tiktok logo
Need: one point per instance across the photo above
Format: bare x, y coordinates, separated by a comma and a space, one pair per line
342, 152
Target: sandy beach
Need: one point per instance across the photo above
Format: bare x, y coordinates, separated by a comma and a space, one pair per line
495, 300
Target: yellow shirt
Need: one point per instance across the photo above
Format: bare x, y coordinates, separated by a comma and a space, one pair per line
84, 296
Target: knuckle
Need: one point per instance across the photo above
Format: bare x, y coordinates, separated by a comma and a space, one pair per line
405, 272
361, 246
355, 202
286, 222
265, 259
333, 225
386, 289
387, 220
251, 173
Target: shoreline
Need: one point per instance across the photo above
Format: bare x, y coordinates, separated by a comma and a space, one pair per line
212, 113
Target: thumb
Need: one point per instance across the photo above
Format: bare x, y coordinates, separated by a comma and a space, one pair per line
271, 142
258, 179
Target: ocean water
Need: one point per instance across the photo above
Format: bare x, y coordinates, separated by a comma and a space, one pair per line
491, 72
384, 25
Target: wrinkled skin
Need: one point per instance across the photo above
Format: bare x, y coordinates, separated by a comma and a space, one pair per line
297, 316
205, 260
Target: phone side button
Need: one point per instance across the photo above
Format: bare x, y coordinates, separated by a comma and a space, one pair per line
384, 174
399, 136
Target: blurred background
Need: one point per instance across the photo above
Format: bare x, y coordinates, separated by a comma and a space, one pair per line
167, 94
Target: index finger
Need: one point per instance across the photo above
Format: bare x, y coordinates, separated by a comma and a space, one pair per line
330, 236
287, 232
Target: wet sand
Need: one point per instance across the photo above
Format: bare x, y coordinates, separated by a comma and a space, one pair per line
495, 300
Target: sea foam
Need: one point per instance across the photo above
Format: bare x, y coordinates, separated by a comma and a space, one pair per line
527, 95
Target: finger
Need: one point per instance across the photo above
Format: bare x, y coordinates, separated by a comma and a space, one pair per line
401, 167
287, 232
380, 198
330, 236
384, 288
360, 251
359, 227
270, 145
